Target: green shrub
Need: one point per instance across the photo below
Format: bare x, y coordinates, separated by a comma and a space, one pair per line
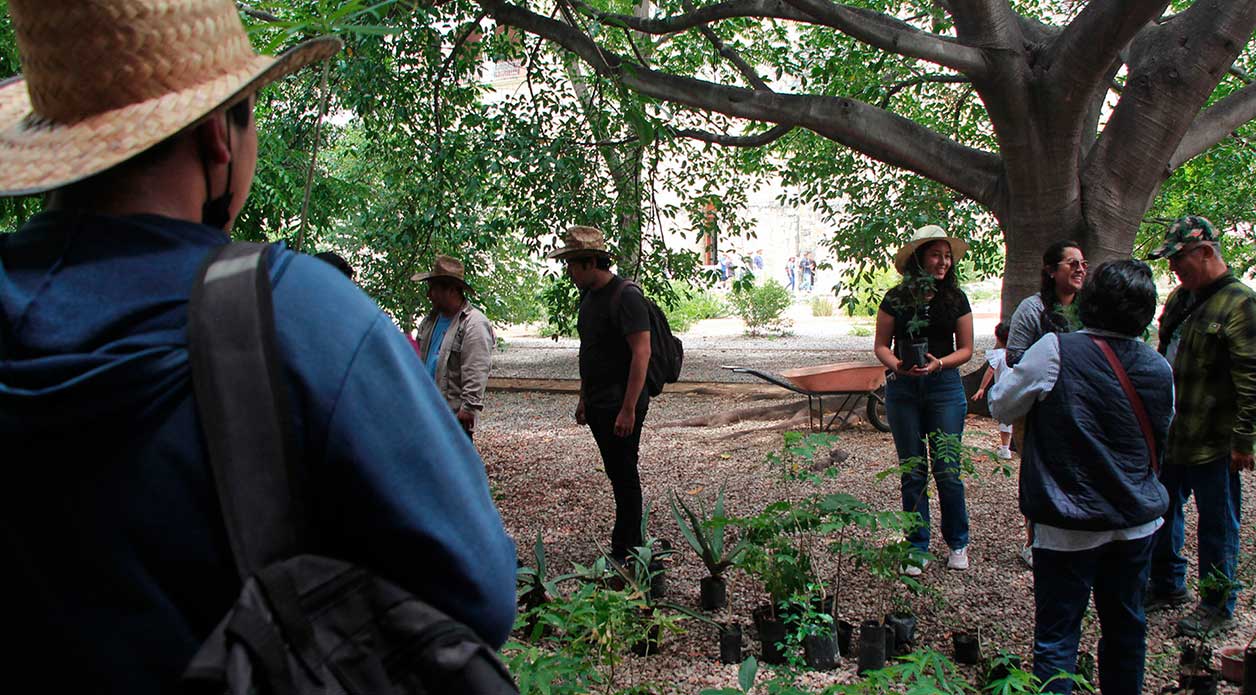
821, 306
692, 304
761, 306
860, 331
866, 289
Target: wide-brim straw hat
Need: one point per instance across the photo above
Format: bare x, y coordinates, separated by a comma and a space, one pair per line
926, 235
580, 241
446, 267
106, 80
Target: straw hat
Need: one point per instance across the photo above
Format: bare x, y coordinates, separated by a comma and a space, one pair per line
105, 80
581, 241
445, 267
925, 235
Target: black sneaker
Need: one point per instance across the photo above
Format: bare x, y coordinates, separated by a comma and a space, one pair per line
1153, 601
1204, 621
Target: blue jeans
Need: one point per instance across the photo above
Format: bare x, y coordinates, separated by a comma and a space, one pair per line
1117, 572
916, 406
1218, 496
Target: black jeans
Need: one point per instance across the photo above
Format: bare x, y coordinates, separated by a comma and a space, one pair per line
619, 456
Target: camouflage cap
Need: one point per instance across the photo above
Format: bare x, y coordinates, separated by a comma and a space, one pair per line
1184, 231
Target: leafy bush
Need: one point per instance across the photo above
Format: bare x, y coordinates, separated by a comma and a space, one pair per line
691, 305
860, 331
821, 306
761, 306
866, 289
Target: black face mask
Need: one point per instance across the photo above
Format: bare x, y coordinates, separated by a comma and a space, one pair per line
216, 212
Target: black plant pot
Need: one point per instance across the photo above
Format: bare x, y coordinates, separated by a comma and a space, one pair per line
771, 634
714, 594
1199, 681
658, 583
967, 647
844, 632
650, 643
820, 651
871, 647
904, 626
1249, 671
826, 605
761, 615
999, 671
730, 643
916, 355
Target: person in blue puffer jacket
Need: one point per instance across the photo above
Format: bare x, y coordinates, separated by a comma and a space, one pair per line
117, 564
1088, 474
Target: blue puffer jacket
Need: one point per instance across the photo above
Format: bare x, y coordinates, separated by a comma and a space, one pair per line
1086, 466
109, 523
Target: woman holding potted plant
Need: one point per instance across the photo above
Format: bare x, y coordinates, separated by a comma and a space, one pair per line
924, 334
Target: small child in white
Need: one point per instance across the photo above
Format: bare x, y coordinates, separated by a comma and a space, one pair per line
998, 367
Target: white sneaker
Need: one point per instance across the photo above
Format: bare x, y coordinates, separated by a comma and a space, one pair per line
914, 571
958, 559
1005, 453
1027, 556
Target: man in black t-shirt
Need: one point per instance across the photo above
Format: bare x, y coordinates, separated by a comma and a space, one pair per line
614, 326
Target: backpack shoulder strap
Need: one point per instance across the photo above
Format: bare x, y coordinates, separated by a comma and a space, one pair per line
240, 397
1136, 402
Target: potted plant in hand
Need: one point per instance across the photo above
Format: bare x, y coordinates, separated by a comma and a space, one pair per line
914, 304
705, 534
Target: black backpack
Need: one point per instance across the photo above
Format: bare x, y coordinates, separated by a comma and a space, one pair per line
667, 353
303, 623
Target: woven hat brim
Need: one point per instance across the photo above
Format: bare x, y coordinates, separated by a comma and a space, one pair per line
568, 252
423, 277
39, 157
958, 248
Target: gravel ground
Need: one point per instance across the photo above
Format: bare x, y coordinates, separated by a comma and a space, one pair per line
542, 358
545, 473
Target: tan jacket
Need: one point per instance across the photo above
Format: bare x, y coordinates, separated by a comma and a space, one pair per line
465, 357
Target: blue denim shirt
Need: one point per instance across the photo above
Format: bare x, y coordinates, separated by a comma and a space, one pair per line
109, 522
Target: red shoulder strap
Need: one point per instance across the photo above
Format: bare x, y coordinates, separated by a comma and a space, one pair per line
1137, 403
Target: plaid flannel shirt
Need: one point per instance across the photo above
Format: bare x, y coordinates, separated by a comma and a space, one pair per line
1214, 375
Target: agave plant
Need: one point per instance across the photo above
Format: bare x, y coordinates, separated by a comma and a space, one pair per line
705, 534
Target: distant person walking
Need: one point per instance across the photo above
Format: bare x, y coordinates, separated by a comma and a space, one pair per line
924, 397
791, 267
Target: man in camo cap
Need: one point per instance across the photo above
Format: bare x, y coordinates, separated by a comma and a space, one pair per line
1208, 334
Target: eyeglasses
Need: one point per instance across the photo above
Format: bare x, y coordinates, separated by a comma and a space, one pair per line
1076, 264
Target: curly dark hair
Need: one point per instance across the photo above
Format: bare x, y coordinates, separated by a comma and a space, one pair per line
1118, 296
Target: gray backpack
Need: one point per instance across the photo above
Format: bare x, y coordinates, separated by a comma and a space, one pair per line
303, 623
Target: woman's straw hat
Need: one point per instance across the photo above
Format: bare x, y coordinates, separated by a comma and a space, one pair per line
925, 235
107, 79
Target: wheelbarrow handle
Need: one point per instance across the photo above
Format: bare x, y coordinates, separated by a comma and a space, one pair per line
770, 378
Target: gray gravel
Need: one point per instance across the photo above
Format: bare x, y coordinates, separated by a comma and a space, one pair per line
542, 358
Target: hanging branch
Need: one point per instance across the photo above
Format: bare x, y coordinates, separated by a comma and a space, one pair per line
309, 171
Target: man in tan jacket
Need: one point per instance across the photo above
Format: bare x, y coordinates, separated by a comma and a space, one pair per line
455, 341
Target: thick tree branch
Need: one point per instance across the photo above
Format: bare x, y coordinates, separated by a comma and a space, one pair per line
757, 140
889, 34
871, 131
874, 28
1215, 123
1081, 57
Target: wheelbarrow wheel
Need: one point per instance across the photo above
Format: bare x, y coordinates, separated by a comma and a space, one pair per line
876, 410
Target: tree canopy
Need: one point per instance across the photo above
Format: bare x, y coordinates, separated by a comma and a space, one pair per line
1058, 119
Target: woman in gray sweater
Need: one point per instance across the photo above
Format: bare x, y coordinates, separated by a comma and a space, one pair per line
1063, 274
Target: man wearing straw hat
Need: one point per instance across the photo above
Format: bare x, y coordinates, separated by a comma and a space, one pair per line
455, 341
135, 117
614, 327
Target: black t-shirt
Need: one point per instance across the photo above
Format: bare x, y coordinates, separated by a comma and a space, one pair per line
605, 357
942, 312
